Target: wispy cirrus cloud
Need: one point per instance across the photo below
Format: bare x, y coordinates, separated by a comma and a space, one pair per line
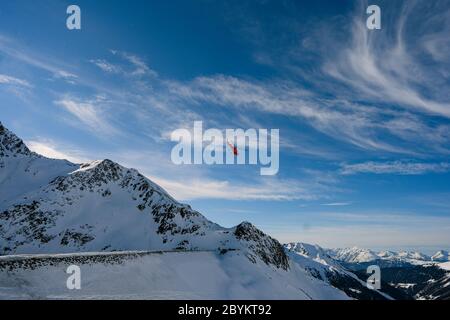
382, 87
18, 51
64, 75
106, 66
384, 66
8, 80
208, 188
336, 204
139, 66
361, 125
395, 167
369, 127
89, 113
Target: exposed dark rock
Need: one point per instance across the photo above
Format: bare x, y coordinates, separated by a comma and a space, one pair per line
266, 248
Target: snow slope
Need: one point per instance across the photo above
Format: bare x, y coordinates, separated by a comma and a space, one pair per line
169, 275
445, 266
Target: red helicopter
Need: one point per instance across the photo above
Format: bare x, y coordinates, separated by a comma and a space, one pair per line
233, 147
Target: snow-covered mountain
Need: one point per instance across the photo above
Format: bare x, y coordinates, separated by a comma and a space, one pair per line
321, 265
53, 207
353, 255
440, 256
60, 207
405, 275
436, 290
417, 275
361, 257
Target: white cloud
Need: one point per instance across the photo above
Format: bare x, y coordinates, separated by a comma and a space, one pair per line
140, 68
18, 52
336, 204
353, 123
386, 69
67, 76
340, 119
89, 113
381, 85
50, 149
395, 167
5, 79
206, 188
106, 66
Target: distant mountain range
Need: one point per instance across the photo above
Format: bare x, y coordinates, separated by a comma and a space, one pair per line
357, 255
133, 240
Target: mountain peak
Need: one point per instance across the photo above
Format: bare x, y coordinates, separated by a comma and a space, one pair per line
441, 256
354, 254
105, 166
10, 144
265, 247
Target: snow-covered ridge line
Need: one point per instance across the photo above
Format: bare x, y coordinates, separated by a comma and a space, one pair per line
361, 255
91, 254
11, 145
31, 262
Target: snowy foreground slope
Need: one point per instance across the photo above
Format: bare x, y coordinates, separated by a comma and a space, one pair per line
144, 275
52, 207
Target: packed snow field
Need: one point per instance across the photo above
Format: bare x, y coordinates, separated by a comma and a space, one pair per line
146, 275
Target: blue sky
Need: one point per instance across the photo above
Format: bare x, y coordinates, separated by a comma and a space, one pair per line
363, 115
